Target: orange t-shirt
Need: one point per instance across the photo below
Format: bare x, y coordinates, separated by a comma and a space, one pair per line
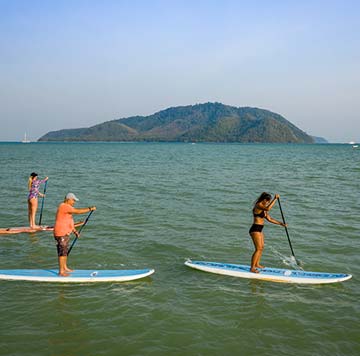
64, 222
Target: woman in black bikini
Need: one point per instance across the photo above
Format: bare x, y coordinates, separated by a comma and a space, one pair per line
260, 211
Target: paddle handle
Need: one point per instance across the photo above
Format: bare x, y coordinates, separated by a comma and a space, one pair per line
42, 203
287, 233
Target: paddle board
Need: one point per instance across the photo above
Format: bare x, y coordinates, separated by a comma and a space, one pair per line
83, 276
28, 229
269, 274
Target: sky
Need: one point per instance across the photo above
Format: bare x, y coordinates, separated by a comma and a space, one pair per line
77, 63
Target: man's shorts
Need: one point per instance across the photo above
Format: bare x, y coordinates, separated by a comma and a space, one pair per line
62, 244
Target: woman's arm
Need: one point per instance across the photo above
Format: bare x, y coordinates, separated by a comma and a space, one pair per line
270, 206
273, 221
43, 180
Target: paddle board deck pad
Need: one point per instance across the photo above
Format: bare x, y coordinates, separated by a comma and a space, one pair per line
269, 274
78, 276
28, 229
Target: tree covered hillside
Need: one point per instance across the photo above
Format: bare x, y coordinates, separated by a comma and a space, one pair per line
210, 122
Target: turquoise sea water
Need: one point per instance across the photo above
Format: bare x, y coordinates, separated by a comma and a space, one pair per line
159, 204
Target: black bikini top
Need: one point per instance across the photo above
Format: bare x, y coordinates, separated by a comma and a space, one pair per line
261, 215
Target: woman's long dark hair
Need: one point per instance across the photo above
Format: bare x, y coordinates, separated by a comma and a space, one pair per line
263, 196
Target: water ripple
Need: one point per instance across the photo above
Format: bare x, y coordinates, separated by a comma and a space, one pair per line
160, 204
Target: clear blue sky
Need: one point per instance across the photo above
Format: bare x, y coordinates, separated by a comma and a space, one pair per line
76, 63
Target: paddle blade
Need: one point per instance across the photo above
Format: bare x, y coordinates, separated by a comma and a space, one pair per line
293, 262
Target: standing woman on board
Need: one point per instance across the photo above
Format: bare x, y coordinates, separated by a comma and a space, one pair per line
260, 211
33, 187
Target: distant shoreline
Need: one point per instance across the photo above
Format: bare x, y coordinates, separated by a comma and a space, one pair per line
172, 142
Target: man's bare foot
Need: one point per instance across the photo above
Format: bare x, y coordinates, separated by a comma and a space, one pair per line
254, 270
260, 266
68, 270
64, 274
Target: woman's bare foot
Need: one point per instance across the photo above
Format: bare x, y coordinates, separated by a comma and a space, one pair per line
254, 270
64, 274
68, 270
260, 266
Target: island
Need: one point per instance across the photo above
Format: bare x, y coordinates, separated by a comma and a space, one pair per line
209, 122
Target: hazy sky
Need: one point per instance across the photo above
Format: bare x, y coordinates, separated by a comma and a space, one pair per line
74, 63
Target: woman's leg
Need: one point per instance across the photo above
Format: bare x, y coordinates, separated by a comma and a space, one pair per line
258, 240
32, 207
29, 212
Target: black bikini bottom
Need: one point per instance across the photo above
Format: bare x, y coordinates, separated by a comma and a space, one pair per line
256, 228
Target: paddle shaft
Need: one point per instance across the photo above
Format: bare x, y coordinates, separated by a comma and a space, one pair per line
86, 220
42, 203
287, 233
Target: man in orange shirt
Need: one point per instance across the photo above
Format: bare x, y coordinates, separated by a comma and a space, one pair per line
64, 226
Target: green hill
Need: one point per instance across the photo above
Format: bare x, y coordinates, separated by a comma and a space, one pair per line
210, 122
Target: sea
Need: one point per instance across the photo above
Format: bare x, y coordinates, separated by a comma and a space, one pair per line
160, 204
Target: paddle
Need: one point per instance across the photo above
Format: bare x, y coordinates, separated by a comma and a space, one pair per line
86, 220
287, 234
42, 204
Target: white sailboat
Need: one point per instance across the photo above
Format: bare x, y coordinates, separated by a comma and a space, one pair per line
25, 140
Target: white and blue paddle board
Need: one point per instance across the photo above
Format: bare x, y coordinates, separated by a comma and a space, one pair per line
269, 274
82, 276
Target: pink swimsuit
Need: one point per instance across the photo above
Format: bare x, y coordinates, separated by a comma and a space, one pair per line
34, 190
